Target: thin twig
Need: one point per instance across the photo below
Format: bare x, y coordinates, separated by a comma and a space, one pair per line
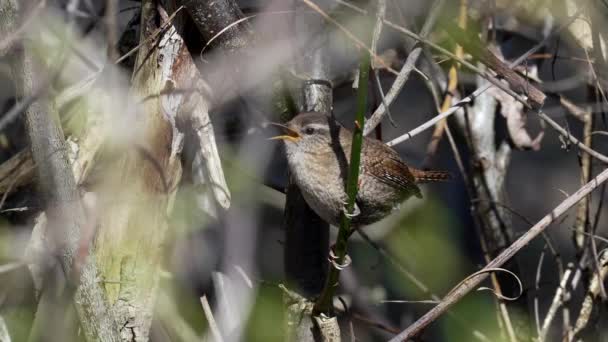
452, 88
378, 26
558, 301
480, 90
419, 284
351, 6
458, 293
215, 330
573, 140
375, 324
537, 287
469, 99
593, 292
582, 212
350, 35
223, 31
405, 71
375, 38
537, 101
603, 239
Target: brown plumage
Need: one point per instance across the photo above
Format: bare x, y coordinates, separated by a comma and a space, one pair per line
423, 176
318, 153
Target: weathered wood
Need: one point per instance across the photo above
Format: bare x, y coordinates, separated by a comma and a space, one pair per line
135, 197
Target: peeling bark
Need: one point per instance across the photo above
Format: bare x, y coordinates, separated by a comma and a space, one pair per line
141, 183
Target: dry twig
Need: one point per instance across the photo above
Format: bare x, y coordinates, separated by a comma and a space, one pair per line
215, 330
456, 294
404, 73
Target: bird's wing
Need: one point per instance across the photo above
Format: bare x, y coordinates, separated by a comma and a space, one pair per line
388, 168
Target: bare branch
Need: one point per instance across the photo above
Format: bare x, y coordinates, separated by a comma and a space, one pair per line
534, 96
64, 210
592, 293
459, 292
215, 330
477, 92
558, 301
405, 71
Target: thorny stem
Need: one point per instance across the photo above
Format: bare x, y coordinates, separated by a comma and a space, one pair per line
324, 303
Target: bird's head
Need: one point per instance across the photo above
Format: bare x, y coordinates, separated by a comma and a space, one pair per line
307, 133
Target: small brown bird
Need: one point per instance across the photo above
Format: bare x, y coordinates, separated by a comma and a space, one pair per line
318, 153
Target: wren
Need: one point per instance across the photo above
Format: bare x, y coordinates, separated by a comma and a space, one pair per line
318, 152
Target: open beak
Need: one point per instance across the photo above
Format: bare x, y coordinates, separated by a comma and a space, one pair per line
290, 134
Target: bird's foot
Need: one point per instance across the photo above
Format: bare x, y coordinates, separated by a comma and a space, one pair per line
356, 211
333, 259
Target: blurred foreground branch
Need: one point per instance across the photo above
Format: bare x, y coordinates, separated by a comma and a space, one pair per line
141, 180
65, 214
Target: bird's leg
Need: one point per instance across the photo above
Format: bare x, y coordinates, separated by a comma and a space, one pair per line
356, 211
333, 259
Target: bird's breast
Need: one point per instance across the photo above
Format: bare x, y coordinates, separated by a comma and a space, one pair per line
320, 182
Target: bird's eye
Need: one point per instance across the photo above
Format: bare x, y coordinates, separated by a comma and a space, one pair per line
309, 130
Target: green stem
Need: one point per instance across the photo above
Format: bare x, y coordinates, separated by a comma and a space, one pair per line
324, 303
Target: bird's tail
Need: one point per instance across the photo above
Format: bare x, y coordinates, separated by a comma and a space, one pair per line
423, 176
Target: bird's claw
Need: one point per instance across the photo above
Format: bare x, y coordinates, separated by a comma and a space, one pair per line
356, 211
333, 260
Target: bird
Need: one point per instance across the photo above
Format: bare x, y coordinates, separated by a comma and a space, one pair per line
318, 151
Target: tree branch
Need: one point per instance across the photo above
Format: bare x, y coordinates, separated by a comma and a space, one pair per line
593, 292
140, 181
64, 211
459, 292
404, 73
